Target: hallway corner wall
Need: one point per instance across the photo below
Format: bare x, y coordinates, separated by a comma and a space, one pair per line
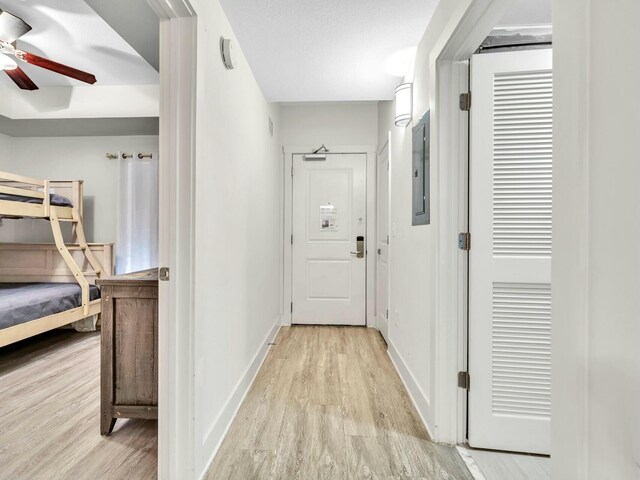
414, 326
238, 239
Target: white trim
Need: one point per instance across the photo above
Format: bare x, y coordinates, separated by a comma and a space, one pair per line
470, 24
170, 9
470, 462
225, 418
370, 152
178, 49
452, 268
388, 147
418, 397
576, 276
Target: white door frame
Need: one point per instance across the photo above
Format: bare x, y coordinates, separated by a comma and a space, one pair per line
289, 152
178, 48
387, 147
448, 69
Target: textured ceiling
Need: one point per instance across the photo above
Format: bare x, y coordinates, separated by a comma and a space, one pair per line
329, 50
528, 12
70, 32
136, 22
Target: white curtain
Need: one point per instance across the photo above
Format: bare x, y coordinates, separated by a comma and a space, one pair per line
137, 244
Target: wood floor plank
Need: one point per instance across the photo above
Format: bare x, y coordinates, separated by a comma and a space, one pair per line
367, 459
252, 465
494, 469
356, 401
533, 467
323, 452
326, 390
50, 415
544, 463
346, 415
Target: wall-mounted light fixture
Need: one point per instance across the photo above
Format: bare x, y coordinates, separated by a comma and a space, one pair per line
404, 104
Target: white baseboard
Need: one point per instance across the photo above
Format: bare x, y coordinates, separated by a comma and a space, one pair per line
220, 427
419, 399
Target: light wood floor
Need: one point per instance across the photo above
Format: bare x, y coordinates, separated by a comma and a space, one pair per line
50, 418
328, 404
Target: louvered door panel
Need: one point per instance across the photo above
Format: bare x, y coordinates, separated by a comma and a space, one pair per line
521, 350
511, 169
522, 163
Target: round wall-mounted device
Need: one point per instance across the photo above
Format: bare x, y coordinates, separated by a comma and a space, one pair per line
226, 51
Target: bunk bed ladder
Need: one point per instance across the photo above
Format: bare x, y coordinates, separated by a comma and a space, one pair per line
78, 232
64, 251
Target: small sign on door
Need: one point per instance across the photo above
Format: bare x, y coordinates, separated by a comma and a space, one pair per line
328, 218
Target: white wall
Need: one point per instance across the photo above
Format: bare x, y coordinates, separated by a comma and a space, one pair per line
238, 232
337, 123
70, 158
596, 307
413, 269
596, 262
5, 146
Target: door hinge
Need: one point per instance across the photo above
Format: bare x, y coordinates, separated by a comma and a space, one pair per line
163, 274
292, 170
464, 241
465, 101
388, 240
386, 314
291, 307
292, 239
464, 380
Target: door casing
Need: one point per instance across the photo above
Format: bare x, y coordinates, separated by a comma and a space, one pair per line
382, 316
287, 201
448, 77
178, 57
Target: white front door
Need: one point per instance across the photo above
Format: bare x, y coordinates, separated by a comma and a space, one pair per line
382, 265
329, 244
510, 257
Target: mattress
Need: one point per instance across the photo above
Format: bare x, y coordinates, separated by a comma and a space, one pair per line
23, 302
57, 200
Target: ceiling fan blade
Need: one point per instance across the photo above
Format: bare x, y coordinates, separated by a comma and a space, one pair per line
57, 67
21, 79
12, 27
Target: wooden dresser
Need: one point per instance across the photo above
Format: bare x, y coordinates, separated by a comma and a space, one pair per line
129, 354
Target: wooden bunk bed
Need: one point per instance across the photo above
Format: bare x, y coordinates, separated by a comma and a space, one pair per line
32, 265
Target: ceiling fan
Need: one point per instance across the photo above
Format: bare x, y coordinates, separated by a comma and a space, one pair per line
12, 28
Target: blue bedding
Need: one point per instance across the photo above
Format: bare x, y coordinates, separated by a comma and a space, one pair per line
23, 302
57, 200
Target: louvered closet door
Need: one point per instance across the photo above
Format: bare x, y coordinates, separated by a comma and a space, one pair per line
510, 258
